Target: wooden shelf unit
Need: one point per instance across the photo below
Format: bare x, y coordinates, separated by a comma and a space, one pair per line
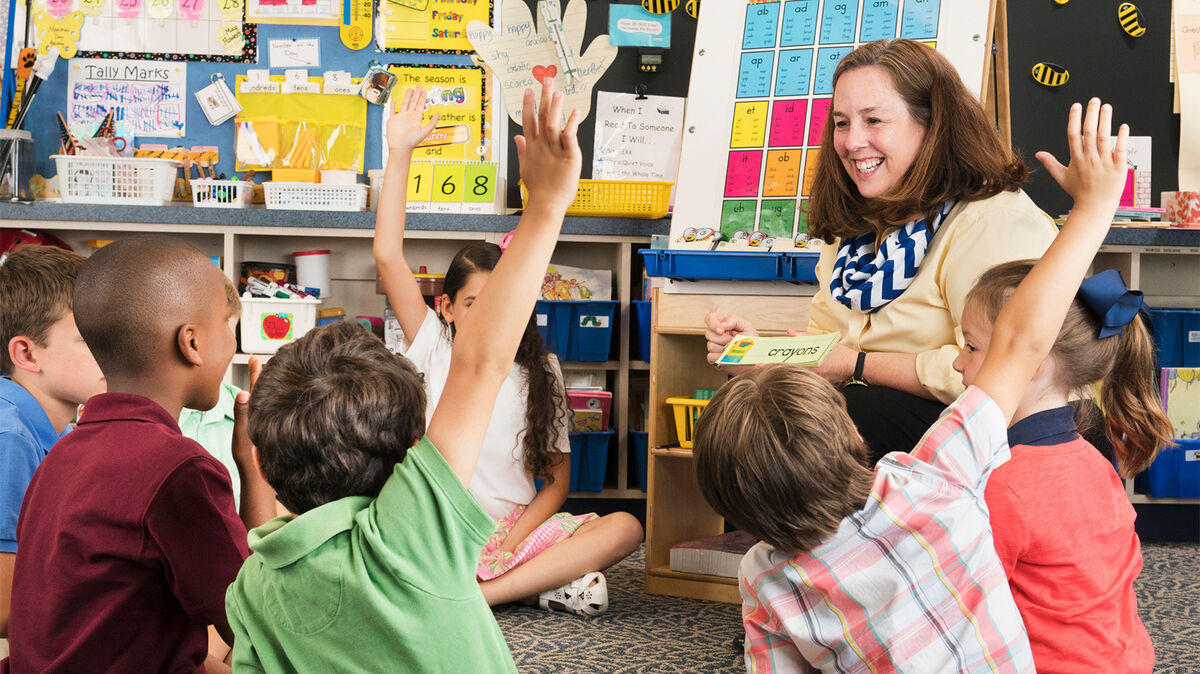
675, 509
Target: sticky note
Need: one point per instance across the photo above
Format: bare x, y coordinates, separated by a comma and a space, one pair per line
920, 20
781, 177
448, 187
776, 217
749, 124
742, 173
420, 186
837, 21
737, 216
827, 60
795, 68
762, 21
806, 350
754, 74
878, 20
816, 123
787, 122
799, 23
810, 170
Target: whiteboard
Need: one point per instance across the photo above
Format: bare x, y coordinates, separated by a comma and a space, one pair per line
760, 90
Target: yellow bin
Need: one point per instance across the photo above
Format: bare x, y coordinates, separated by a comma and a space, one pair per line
687, 411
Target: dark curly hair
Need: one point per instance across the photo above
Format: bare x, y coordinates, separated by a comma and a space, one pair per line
546, 408
332, 414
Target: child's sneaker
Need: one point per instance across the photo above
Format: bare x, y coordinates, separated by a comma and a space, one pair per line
586, 596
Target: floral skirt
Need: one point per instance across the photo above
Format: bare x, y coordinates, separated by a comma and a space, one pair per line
557, 527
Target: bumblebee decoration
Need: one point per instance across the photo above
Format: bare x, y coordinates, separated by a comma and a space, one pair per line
1131, 19
692, 7
660, 6
1050, 75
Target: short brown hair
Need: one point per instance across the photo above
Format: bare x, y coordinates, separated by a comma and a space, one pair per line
332, 414
36, 287
778, 456
962, 157
1124, 365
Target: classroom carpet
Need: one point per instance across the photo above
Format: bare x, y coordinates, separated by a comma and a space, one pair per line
653, 633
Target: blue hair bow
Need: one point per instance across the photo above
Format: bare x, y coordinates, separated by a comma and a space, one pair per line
1107, 297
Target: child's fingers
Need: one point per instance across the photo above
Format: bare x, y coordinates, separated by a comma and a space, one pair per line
255, 366
428, 128
1053, 166
1091, 120
570, 133
529, 115
1104, 131
1074, 121
519, 141
1121, 151
544, 105
552, 124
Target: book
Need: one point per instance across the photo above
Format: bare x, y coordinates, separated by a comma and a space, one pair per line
715, 556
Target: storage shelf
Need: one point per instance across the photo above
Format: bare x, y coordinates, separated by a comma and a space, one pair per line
677, 452
667, 572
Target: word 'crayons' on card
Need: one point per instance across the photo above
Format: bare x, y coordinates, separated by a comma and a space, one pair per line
805, 350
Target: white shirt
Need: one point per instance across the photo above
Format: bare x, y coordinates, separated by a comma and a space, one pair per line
501, 482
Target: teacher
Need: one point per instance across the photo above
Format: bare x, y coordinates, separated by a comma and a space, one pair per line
915, 196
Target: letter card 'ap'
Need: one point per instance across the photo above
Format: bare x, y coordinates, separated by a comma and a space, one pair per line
804, 350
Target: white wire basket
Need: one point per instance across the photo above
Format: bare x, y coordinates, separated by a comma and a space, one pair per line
315, 196
116, 180
222, 193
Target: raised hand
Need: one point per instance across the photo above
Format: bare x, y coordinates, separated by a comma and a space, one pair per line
549, 155
404, 129
1095, 177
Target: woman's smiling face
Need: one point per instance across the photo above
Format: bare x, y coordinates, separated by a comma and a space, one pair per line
874, 134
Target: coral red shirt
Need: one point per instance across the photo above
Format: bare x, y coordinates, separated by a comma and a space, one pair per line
127, 541
1063, 529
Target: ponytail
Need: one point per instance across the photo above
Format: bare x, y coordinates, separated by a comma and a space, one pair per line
545, 405
1134, 418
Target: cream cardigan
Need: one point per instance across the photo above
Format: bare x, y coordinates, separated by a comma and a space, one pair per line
926, 318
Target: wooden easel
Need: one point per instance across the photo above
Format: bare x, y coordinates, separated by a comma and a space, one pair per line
994, 93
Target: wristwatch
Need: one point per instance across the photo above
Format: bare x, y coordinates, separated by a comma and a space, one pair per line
857, 378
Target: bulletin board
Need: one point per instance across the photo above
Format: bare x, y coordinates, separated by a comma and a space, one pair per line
761, 90
165, 30
429, 25
460, 95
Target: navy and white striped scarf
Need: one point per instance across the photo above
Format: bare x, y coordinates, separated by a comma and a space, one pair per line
866, 277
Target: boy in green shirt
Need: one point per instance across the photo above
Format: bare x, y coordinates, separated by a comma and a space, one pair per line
376, 571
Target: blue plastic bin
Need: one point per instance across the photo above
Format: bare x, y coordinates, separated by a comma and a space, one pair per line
1175, 473
708, 264
639, 444
589, 459
1177, 336
577, 329
639, 314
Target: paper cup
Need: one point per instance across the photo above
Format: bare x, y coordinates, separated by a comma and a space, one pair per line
312, 270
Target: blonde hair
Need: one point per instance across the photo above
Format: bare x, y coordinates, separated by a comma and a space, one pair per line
1124, 365
777, 455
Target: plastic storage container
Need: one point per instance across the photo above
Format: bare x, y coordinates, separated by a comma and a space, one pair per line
268, 324
1175, 473
577, 329
639, 446
315, 197
222, 193
1177, 336
687, 411
639, 313
589, 460
115, 180
619, 198
711, 264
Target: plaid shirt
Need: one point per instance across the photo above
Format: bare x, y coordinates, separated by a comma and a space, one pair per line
911, 582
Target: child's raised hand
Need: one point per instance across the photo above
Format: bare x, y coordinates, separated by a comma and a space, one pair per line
404, 129
550, 157
242, 448
1095, 177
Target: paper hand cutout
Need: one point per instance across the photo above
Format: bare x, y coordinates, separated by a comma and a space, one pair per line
522, 56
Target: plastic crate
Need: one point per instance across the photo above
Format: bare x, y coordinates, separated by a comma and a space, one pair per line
579, 330
639, 445
269, 323
687, 411
222, 193
639, 313
589, 459
1177, 336
712, 264
1175, 473
619, 198
315, 197
115, 180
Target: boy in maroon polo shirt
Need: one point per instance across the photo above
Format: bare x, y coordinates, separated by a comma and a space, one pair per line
128, 537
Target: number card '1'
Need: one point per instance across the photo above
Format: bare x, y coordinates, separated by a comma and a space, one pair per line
419, 191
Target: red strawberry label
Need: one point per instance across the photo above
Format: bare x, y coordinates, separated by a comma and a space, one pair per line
542, 72
277, 326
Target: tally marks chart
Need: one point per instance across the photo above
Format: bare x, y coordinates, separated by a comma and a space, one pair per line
761, 92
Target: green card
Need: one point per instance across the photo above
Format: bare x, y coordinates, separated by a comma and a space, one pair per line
806, 350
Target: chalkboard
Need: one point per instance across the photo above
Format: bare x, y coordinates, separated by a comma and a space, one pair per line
1131, 73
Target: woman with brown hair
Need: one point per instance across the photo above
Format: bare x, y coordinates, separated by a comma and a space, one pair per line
915, 195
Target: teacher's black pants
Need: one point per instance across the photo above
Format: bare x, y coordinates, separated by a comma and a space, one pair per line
894, 421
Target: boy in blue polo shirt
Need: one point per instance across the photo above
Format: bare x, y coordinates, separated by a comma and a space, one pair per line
48, 372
